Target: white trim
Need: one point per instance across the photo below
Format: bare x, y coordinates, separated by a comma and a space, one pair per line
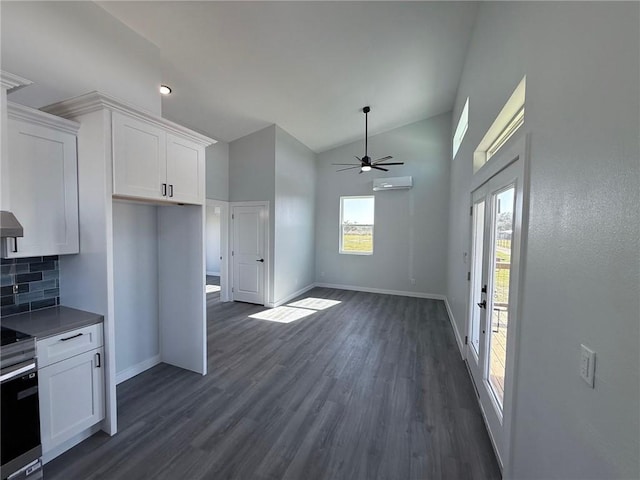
290, 297
137, 369
94, 101
9, 80
432, 296
72, 442
456, 331
31, 115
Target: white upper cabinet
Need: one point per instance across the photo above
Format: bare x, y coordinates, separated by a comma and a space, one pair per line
139, 158
43, 182
152, 163
185, 170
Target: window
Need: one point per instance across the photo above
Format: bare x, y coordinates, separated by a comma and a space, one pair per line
461, 129
356, 225
516, 122
506, 124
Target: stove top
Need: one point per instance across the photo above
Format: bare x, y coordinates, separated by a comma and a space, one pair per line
10, 336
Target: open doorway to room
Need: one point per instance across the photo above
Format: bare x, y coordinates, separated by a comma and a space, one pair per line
216, 243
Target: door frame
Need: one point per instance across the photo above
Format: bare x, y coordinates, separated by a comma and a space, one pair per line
515, 150
225, 289
265, 204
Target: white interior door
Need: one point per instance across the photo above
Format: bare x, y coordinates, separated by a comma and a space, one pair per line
249, 251
493, 297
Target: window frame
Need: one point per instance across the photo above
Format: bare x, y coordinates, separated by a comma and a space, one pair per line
461, 129
341, 250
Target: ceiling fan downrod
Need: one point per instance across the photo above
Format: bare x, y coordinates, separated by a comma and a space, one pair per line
366, 111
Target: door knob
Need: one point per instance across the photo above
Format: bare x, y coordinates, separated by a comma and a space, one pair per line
483, 304
261, 260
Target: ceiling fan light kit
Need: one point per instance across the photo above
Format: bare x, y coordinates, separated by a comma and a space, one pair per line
366, 165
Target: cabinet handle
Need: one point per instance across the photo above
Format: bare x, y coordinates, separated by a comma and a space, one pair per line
171, 190
15, 244
73, 336
164, 189
98, 363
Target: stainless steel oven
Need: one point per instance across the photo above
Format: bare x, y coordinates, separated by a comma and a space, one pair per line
20, 428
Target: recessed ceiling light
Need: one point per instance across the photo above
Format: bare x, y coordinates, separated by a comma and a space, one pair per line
164, 90
365, 168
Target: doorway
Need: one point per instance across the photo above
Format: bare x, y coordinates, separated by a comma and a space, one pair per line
249, 252
216, 256
496, 265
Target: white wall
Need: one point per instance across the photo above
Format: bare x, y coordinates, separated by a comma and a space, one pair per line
135, 270
212, 239
217, 158
71, 48
582, 252
252, 163
295, 182
410, 232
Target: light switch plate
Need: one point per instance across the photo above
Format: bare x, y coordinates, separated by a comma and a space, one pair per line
587, 365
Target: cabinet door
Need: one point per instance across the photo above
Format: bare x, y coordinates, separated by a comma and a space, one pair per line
43, 189
71, 397
185, 170
139, 158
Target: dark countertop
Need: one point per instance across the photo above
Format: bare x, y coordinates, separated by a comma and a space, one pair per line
51, 321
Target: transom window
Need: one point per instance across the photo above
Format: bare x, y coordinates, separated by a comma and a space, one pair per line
356, 225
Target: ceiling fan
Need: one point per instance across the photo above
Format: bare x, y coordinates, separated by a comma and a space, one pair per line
366, 164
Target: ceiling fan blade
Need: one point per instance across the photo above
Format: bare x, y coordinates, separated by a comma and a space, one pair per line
388, 157
391, 163
380, 168
344, 164
348, 168
357, 158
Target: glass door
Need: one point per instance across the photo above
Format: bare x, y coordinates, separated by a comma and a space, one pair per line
495, 249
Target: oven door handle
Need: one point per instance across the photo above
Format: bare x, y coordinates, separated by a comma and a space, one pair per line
16, 373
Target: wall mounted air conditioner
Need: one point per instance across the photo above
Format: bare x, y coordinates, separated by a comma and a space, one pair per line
392, 183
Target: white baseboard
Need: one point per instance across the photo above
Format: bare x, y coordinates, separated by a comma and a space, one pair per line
137, 369
213, 274
290, 297
433, 296
456, 332
72, 442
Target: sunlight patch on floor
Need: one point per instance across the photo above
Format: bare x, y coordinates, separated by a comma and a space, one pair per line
283, 314
314, 303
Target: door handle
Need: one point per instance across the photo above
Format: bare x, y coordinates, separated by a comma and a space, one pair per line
483, 304
98, 360
71, 337
261, 260
171, 190
15, 244
164, 189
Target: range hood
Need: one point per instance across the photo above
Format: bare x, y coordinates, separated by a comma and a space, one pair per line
9, 225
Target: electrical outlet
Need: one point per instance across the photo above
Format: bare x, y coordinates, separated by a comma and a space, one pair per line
413, 281
587, 365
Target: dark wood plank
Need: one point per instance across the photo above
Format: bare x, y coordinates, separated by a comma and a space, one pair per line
370, 388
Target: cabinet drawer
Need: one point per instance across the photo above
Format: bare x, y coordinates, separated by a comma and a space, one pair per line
65, 345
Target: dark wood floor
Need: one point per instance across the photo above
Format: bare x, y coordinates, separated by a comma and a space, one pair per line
370, 388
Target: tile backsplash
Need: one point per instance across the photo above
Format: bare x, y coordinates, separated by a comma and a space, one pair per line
28, 284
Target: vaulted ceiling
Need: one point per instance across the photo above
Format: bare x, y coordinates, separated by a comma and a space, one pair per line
236, 67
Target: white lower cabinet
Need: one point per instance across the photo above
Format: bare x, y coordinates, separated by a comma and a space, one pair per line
71, 397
